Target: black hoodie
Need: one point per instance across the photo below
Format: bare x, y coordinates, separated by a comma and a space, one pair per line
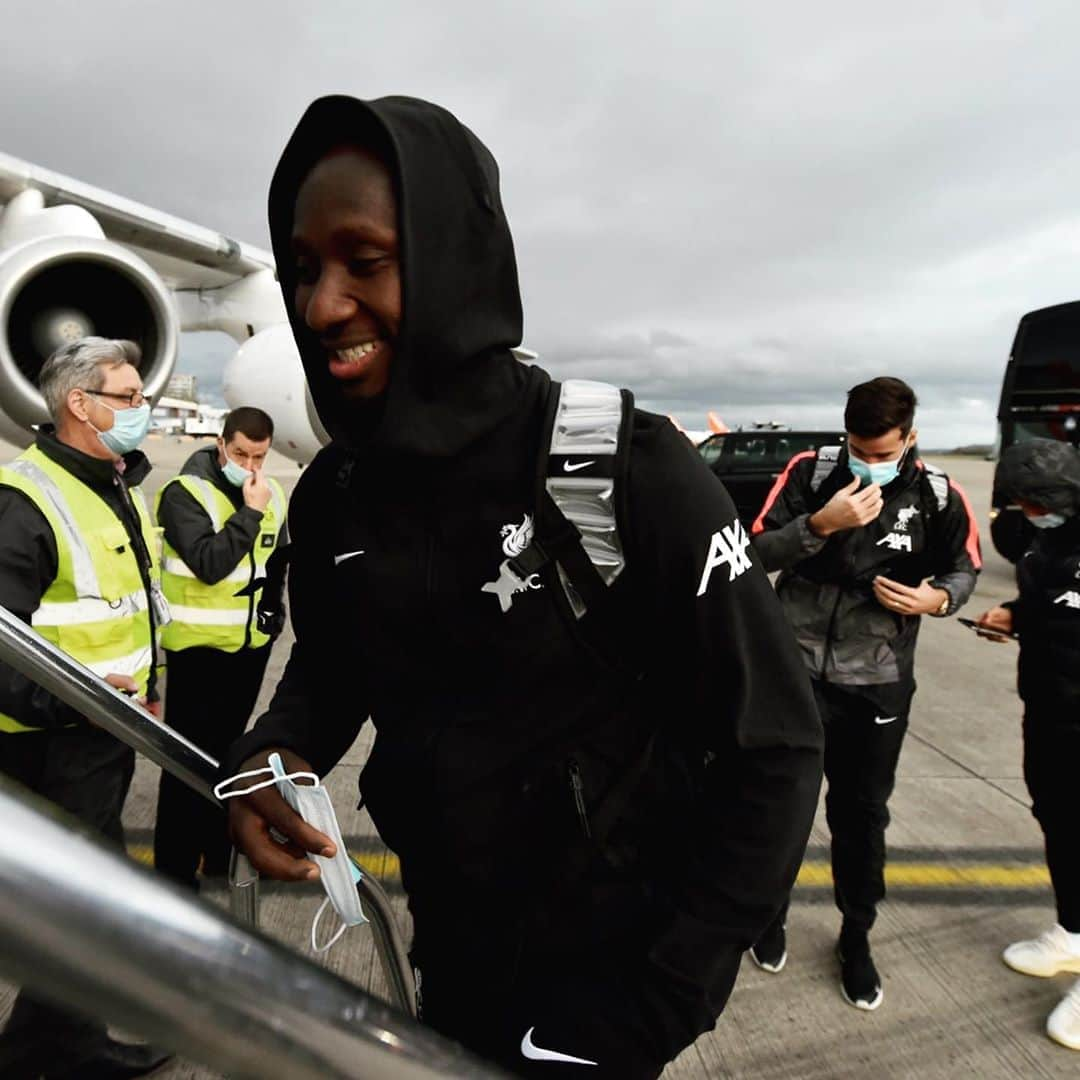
500, 736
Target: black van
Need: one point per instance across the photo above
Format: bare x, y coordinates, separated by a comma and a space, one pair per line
749, 462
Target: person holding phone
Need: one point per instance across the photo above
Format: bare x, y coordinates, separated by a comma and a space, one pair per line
1043, 476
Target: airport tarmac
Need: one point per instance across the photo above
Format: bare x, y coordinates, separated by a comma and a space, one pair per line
966, 877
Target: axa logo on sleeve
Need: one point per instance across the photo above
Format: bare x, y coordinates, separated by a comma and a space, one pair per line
728, 547
1069, 599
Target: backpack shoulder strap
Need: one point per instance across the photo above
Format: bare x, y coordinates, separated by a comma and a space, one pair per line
827, 458
939, 484
581, 472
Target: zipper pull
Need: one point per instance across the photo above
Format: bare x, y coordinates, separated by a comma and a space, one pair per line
579, 797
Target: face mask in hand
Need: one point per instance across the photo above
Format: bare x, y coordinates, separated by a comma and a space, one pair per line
339, 875
235, 474
1046, 521
129, 428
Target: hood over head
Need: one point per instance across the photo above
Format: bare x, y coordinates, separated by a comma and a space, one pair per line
452, 375
1042, 471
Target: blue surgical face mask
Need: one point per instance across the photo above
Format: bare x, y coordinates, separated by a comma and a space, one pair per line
129, 428
235, 474
878, 472
1046, 521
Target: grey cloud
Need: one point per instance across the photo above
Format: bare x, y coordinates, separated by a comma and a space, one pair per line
727, 204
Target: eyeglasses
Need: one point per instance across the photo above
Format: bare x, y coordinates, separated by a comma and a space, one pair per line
134, 399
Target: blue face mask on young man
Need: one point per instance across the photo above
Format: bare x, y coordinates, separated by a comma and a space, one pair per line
129, 428
877, 472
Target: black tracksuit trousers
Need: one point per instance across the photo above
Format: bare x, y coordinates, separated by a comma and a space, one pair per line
86, 772
862, 750
534, 1015
1051, 754
209, 695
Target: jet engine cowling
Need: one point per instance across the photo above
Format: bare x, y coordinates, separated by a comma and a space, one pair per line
54, 289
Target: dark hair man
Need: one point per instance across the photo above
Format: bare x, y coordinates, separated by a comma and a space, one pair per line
595, 815
868, 539
1043, 476
223, 521
78, 562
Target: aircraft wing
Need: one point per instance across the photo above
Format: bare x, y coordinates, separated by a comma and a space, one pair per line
185, 255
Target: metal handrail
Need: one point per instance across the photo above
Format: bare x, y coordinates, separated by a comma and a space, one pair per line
107, 937
51, 668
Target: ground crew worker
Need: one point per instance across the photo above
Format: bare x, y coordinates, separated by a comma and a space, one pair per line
78, 561
868, 539
1043, 476
223, 520
599, 787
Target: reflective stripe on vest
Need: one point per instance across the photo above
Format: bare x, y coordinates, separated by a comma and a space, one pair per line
96, 608
214, 615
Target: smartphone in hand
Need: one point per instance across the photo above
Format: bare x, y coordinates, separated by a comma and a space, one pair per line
986, 631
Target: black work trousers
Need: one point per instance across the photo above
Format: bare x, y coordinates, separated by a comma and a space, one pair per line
86, 772
209, 695
1051, 756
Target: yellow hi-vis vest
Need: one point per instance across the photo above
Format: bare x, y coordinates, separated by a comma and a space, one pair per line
96, 609
214, 616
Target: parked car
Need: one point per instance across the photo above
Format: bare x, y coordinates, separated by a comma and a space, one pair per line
749, 462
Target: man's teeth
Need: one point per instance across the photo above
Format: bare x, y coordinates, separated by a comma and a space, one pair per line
357, 352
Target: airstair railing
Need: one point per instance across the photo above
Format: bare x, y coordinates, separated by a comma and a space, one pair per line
51, 668
105, 936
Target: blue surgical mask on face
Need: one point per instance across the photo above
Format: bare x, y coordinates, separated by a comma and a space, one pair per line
129, 428
235, 474
878, 472
1046, 521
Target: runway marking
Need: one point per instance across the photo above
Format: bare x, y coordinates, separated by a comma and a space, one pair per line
814, 874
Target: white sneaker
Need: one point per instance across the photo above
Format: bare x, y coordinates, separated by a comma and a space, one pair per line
1063, 1024
1049, 954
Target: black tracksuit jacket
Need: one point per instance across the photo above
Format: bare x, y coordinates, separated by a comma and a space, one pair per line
500, 735
1047, 617
826, 585
28, 565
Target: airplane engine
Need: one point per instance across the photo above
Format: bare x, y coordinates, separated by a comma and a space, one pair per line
54, 289
266, 372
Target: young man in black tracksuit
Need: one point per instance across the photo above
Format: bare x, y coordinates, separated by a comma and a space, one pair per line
1043, 476
594, 816
868, 539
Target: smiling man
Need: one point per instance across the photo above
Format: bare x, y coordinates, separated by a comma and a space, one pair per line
599, 788
868, 539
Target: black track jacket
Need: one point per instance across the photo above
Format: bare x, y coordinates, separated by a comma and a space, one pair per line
500, 735
1047, 618
826, 586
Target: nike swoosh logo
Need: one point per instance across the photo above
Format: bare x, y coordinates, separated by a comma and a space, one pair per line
339, 559
884, 719
533, 1052
569, 467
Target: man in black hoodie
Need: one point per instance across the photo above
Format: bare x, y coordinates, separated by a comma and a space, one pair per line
595, 817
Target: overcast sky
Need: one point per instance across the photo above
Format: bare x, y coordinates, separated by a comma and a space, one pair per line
744, 207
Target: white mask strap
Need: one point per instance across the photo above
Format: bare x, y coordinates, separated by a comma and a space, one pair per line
315, 946
221, 794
